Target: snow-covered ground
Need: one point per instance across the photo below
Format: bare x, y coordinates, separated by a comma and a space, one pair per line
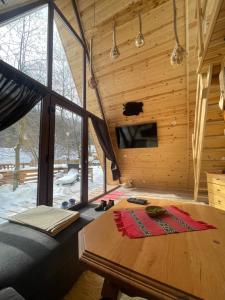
25, 195
7, 156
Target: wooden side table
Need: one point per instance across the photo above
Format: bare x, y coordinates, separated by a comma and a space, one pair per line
216, 190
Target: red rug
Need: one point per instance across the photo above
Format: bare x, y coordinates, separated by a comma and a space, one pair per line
113, 195
136, 223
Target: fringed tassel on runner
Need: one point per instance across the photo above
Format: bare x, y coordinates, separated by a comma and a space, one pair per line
119, 222
199, 222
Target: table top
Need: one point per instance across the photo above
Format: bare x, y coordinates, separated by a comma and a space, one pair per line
189, 265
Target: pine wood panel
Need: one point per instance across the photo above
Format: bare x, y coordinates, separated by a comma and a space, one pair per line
214, 41
142, 74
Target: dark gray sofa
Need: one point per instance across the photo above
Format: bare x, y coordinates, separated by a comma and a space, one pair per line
10, 294
37, 266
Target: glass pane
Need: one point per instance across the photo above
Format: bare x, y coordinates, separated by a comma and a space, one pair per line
95, 163
67, 63
67, 164
19, 152
24, 44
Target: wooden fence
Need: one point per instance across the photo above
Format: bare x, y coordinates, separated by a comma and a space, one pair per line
28, 176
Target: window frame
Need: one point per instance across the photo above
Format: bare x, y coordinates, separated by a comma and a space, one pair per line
47, 122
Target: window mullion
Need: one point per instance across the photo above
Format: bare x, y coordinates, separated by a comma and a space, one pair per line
50, 43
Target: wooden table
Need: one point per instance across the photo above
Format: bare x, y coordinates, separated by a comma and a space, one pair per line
187, 265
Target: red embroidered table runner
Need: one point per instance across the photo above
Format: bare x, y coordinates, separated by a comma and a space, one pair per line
136, 223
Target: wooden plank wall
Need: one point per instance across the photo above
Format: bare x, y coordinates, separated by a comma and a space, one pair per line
143, 74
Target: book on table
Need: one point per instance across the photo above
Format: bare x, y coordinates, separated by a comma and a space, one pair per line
47, 219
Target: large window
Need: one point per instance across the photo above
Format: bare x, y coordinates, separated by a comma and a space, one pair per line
24, 43
19, 154
64, 81
67, 163
69, 166
95, 165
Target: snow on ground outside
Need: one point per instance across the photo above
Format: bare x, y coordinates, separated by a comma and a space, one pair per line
7, 156
25, 195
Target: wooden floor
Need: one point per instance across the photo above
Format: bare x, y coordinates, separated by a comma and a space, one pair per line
88, 287
89, 211
156, 194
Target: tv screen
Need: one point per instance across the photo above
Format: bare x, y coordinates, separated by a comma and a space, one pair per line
137, 136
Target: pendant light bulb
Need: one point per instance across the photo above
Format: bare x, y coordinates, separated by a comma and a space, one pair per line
114, 53
139, 40
178, 53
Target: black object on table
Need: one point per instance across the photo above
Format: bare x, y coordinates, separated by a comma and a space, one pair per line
137, 201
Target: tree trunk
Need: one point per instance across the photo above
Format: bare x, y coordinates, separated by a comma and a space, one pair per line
17, 167
17, 154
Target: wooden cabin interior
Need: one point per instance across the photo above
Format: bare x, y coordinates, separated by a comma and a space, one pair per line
112, 149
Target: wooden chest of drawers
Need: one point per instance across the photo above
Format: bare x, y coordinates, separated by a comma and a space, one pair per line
216, 190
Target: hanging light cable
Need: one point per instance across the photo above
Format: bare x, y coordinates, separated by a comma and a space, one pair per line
114, 53
92, 82
179, 52
139, 40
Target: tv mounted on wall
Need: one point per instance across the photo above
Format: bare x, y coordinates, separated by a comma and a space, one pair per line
137, 136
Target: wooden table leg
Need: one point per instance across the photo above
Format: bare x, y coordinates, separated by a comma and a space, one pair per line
110, 291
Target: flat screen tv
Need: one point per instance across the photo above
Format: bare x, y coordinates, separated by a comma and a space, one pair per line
137, 136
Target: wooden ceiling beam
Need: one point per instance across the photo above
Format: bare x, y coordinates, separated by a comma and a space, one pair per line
123, 15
